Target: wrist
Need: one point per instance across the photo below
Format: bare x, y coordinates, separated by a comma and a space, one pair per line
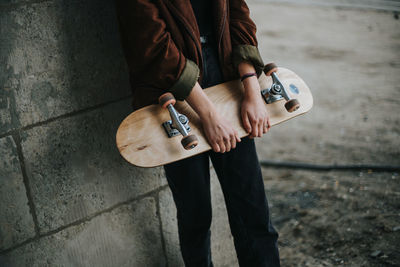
248, 75
245, 67
207, 112
251, 87
200, 103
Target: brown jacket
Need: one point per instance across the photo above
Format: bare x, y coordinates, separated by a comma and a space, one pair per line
161, 42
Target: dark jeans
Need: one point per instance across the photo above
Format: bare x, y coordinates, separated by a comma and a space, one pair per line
241, 181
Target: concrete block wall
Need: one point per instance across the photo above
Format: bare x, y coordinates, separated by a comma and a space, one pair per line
67, 196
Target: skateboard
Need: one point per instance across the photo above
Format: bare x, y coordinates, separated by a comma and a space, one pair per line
160, 134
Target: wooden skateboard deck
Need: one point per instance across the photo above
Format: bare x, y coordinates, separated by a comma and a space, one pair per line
142, 140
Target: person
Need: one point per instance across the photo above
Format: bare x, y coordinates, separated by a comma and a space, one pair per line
182, 47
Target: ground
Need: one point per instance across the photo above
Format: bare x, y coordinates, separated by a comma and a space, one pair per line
350, 59
335, 218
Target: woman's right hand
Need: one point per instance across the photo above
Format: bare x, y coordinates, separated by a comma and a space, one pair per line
219, 132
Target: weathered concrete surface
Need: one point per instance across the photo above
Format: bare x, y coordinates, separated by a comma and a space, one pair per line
57, 57
8, 3
222, 248
75, 168
388, 5
16, 223
170, 228
127, 236
335, 218
350, 59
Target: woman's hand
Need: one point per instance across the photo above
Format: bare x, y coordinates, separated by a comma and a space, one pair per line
219, 132
253, 111
254, 115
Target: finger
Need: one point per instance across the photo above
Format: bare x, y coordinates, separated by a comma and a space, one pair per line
227, 144
254, 126
266, 125
246, 122
233, 141
222, 146
237, 137
260, 129
215, 147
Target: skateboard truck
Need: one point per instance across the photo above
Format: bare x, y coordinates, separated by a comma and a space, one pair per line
172, 128
277, 90
179, 123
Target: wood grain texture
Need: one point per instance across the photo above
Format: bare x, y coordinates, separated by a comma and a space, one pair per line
142, 140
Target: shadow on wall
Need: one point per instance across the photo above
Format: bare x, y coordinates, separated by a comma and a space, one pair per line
72, 163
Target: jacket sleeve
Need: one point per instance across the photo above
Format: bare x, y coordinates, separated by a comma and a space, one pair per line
243, 35
150, 50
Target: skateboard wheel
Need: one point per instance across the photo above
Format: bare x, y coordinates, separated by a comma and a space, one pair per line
292, 105
189, 142
270, 68
166, 99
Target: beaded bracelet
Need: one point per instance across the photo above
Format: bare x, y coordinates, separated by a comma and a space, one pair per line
247, 75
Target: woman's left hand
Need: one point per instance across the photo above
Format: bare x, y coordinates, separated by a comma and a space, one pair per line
253, 111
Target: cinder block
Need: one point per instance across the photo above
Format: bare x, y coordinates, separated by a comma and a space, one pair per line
222, 248
58, 57
16, 223
126, 236
75, 168
170, 228
8, 116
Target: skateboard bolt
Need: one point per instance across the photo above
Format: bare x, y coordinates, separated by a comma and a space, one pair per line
182, 119
277, 88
